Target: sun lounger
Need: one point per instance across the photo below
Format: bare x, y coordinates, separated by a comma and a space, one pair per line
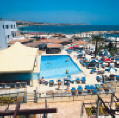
51, 82
72, 81
105, 87
87, 87
77, 80
83, 80
103, 66
68, 76
117, 77
92, 71
98, 86
100, 72
94, 90
98, 78
80, 89
108, 69
73, 90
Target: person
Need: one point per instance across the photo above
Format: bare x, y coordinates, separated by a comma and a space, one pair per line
67, 60
68, 84
49, 63
59, 83
41, 80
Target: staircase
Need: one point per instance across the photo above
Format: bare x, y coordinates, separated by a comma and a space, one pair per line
30, 97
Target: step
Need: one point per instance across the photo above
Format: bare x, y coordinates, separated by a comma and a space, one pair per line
30, 100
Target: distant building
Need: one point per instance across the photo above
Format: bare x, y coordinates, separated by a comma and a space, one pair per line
8, 30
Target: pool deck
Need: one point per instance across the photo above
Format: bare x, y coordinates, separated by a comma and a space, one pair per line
37, 68
90, 78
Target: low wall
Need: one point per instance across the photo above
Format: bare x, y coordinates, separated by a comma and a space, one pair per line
72, 98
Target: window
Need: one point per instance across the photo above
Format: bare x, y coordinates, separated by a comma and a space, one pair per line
7, 36
7, 27
11, 26
3, 26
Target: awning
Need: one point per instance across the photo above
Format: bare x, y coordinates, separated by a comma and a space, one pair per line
17, 58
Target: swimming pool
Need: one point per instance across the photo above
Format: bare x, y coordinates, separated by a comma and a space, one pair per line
56, 66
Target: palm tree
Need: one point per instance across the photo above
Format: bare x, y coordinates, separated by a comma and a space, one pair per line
97, 39
22, 29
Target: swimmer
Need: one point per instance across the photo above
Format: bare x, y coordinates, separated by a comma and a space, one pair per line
67, 60
49, 63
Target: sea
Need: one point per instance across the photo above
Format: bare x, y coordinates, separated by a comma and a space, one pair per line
69, 29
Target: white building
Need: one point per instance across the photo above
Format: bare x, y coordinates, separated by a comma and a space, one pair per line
8, 30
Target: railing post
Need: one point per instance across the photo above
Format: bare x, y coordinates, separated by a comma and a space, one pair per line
112, 100
82, 110
25, 95
97, 111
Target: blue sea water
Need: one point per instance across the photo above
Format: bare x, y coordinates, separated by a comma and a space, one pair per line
70, 29
56, 66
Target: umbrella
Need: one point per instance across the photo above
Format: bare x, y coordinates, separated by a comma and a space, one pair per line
94, 61
100, 61
105, 53
76, 46
70, 48
107, 60
112, 71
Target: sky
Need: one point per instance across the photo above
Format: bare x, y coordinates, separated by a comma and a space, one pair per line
95, 12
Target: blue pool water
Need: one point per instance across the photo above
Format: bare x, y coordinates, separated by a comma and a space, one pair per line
56, 66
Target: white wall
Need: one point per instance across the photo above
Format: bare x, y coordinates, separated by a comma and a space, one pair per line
4, 32
2, 36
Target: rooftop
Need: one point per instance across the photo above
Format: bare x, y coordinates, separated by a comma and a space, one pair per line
54, 45
80, 42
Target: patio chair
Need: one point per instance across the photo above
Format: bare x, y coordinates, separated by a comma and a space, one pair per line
23, 84
70, 79
117, 77
87, 87
68, 76
18, 84
80, 61
87, 65
100, 72
51, 82
8, 85
12, 85
77, 80
83, 80
80, 89
105, 87
73, 90
69, 51
107, 69
98, 86
94, 90
3, 86
112, 77
92, 71
98, 78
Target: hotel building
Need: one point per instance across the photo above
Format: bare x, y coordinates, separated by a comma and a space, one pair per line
8, 30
